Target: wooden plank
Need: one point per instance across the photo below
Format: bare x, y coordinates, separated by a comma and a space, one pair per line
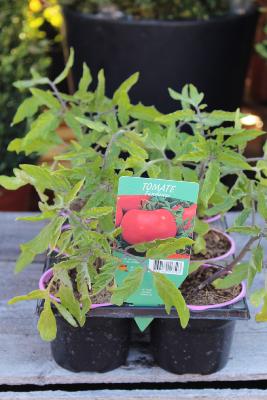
178, 394
25, 359
13, 233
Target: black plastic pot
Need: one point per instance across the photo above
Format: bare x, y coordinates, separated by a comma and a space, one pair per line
202, 348
213, 55
101, 345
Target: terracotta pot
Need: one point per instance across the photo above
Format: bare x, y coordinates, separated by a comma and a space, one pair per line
16, 200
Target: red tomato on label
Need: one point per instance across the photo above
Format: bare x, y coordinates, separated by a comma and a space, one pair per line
131, 202
188, 214
119, 215
140, 226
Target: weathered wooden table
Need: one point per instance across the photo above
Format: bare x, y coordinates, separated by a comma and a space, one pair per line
27, 370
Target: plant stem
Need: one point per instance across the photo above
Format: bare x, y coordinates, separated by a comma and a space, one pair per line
112, 140
57, 94
230, 266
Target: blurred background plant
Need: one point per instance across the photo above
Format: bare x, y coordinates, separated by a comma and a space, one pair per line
23, 46
154, 9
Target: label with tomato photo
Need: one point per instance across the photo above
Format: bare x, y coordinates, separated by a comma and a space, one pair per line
148, 210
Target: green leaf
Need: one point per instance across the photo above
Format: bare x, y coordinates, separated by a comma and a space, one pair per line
66, 315
100, 90
46, 98
199, 245
94, 125
171, 296
146, 113
262, 203
246, 230
129, 286
262, 315
34, 295
67, 68
74, 191
38, 139
201, 227
221, 208
194, 265
167, 247
242, 217
133, 148
47, 236
69, 302
85, 81
233, 159
11, 182
238, 275
210, 182
105, 276
125, 87
180, 115
256, 297
26, 110
47, 326
241, 138
97, 212
257, 258
30, 83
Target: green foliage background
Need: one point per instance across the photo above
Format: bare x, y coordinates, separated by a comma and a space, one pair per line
156, 9
22, 47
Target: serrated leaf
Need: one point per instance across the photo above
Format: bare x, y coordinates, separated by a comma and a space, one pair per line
256, 297
67, 68
94, 125
45, 97
66, 315
47, 236
97, 212
221, 208
242, 138
85, 80
201, 227
11, 182
242, 217
26, 110
129, 286
168, 247
233, 159
146, 113
210, 182
69, 302
47, 326
171, 297
74, 191
100, 90
262, 315
30, 83
180, 115
262, 203
125, 87
194, 265
34, 295
246, 230
238, 275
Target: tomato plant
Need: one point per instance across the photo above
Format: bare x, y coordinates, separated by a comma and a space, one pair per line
140, 226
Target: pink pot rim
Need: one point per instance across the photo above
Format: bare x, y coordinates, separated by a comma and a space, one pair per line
47, 275
212, 219
229, 253
239, 297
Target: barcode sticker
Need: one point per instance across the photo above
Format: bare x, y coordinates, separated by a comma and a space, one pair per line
167, 266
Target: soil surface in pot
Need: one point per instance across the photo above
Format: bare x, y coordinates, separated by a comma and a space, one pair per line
216, 243
209, 295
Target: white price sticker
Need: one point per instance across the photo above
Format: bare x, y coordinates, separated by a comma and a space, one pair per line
172, 267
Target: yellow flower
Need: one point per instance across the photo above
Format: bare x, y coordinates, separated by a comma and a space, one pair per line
53, 15
35, 6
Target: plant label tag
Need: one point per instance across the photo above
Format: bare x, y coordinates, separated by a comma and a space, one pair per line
153, 214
